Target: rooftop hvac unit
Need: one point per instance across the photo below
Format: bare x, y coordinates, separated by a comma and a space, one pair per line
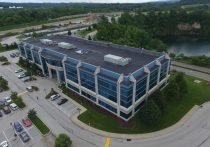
116, 59
66, 45
46, 41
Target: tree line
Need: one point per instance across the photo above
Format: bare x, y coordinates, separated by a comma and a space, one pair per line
170, 24
127, 34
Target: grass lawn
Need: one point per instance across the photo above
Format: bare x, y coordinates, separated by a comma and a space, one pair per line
175, 110
40, 125
85, 32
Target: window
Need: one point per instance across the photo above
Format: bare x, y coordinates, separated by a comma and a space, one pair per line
73, 88
71, 73
141, 87
126, 96
90, 97
109, 107
107, 89
124, 115
87, 80
153, 78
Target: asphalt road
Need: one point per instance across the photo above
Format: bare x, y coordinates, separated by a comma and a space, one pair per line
195, 133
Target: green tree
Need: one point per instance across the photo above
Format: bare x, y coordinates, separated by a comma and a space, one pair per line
89, 37
63, 141
172, 91
156, 44
181, 83
159, 99
32, 113
69, 32
3, 83
150, 113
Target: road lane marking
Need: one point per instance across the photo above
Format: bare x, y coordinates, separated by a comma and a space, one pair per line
6, 138
107, 142
22, 93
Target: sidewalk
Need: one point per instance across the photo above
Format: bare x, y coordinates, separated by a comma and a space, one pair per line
76, 121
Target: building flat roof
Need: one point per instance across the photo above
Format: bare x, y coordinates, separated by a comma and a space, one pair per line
97, 50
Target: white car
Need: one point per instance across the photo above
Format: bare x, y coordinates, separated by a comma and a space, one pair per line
4, 144
29, 88
54, 97
8, 99
21, 76
13, 106
19, 70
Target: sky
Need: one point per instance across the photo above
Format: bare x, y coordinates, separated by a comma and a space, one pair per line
88, 1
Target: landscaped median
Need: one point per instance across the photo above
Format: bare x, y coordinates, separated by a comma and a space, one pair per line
32, 115
175, 109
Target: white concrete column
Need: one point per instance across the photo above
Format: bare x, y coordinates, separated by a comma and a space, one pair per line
159, 70
64, 68
40, 58
148, 78
50, 72
78, 74
24, 46
32, 55
132, 79
119, 93
96, 81
58, 76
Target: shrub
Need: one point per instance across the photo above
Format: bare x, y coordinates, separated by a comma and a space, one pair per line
3, 83
17, 100
3, 59
150, 113
63, 141
52, 92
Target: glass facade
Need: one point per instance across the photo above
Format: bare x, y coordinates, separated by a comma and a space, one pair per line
163, 72
124, 115
107, 88
22, 50
126, 95
87, 80
36, 57
141, 85
73, 88
109, 107
107, 80
92, 98
28, 52
153, 78
71, 72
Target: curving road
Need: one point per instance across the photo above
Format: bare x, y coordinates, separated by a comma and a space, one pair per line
194, 133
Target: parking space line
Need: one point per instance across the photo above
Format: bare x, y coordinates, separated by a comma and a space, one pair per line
22, 93
6, 138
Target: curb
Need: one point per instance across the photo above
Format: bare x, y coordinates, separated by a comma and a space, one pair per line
165, 131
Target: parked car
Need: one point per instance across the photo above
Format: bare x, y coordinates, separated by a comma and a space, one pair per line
19, 70
12, 55
2, 102
54, 97
18, 127
13, 106
24, 137
6, 110
26, 122
1, 114
23, 75
1, 89
8, 99
4, 144
29, 89
62, 101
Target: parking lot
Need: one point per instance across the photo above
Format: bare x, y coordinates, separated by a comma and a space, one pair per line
7, 131
67, 108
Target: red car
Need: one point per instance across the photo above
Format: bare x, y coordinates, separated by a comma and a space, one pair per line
27, 122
